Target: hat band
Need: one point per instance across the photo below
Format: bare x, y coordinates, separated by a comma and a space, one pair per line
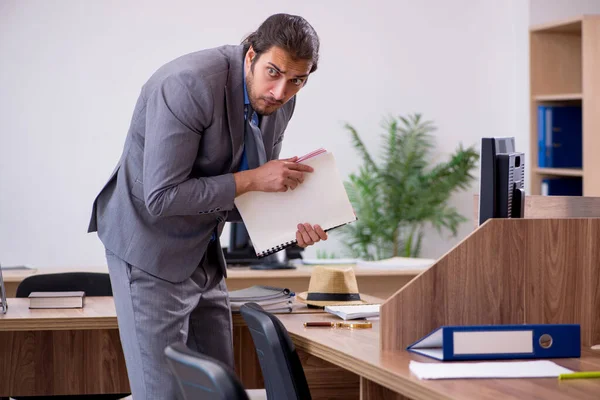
332, 296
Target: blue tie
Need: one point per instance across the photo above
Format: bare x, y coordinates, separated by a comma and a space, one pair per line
254, 147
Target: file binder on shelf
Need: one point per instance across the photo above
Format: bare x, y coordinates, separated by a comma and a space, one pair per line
272, 218
494, 342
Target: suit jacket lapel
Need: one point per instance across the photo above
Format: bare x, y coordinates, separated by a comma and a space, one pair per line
234, 99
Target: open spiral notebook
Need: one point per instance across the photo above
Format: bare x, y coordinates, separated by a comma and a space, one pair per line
272, 218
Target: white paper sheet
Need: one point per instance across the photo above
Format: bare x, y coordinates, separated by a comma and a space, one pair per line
354, 311
494, 369
397, 263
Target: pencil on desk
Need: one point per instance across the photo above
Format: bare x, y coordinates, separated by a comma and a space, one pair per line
580, 375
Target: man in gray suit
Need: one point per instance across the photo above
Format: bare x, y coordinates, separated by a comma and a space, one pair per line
207, 127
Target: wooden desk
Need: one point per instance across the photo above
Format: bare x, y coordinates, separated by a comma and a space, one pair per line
70, 351
78, 351
380, 283
385, 375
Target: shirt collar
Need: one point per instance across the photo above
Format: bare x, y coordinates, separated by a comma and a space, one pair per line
246, 99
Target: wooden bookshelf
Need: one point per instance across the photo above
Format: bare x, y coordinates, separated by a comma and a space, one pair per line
559, 97
565, 69
558, 171
571, 25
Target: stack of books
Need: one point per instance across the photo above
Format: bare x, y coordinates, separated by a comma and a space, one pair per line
271, 299
56, 299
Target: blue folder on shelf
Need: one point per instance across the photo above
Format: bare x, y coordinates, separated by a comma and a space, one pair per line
559, 136
495, 342
565, 186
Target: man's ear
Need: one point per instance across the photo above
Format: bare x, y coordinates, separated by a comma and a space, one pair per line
250, 54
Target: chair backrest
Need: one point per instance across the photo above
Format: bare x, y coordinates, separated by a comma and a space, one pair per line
92, 283
282, 371
201, 377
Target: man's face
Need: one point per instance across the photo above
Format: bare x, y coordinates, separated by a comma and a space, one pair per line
273, 79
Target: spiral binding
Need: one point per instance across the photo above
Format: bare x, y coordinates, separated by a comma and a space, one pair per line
275, 249
282, 246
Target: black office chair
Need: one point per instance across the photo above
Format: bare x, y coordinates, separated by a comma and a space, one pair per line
282, 371
92, 283
200, 377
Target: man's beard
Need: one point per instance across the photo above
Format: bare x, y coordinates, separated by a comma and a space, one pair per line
261, 110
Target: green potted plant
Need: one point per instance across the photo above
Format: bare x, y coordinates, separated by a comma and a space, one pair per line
396, 198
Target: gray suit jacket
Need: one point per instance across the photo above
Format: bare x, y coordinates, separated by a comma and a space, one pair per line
173, 186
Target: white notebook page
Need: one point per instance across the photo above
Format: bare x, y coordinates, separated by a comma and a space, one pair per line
494, 369
272, 218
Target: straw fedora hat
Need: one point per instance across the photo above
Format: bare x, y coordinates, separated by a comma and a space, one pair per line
331, 286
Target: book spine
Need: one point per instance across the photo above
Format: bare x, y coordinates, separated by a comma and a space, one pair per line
548, 135
541, 137
566, 137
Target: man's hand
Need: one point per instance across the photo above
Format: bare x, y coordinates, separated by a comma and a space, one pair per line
306, 235
280, 175
273, 176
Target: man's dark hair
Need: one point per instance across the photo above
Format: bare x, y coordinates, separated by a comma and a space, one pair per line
289, 32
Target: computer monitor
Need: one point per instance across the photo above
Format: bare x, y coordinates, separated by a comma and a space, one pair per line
502, 179
241, 252
240, 249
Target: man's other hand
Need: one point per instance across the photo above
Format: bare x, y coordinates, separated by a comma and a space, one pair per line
307, 235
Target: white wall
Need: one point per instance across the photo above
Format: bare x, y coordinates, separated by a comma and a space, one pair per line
544, 11
70, 72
